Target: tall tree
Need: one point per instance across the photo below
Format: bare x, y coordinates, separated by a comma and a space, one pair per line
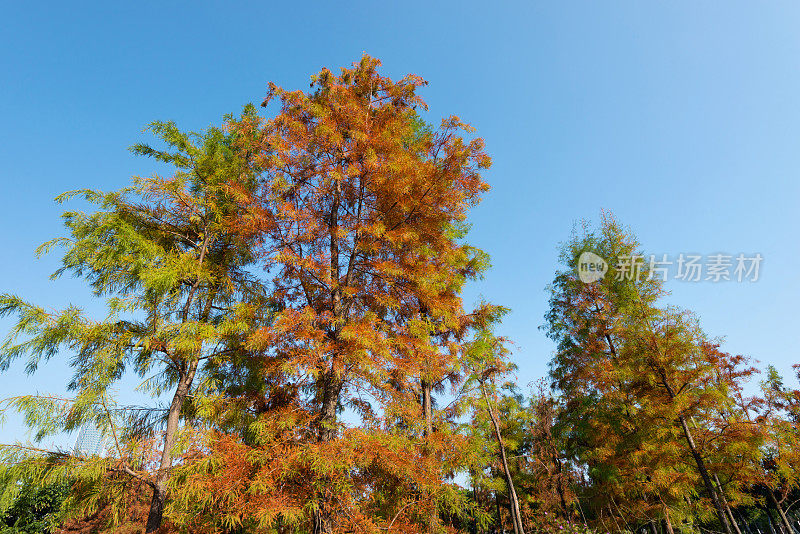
180, 295
487, 360
359, 217
645, 363
779, 420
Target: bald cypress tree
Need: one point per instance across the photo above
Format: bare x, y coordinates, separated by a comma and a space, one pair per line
644, 385
180, 298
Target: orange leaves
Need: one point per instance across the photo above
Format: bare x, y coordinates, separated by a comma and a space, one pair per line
645, 388
365, 480
356, 214
359, 196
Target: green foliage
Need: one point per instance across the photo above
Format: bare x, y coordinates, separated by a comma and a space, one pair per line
294, 269
35, 508
179, 296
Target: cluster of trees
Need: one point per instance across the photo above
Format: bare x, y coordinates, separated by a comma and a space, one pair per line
293, 292
648, 424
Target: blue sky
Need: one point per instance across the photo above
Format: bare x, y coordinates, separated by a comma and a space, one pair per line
680, 117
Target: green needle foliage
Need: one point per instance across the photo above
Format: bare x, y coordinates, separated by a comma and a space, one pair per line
651, 403
180, 299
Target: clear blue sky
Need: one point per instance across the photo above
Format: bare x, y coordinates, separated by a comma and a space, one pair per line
681, 117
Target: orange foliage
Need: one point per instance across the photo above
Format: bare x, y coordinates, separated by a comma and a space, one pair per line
358, 215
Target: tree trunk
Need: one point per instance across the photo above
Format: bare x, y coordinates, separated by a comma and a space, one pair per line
732, 519
499, 524
427, 410
560, 487
156, 513
331, 390
473, 523
775, 504
331, 384
745, 523
653, 527
427, 414
770, 521
667, 522
725, 504
186, 376
516, 516
701, 467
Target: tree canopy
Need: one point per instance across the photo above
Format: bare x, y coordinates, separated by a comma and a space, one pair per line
290, 295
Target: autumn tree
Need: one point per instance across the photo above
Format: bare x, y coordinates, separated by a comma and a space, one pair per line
180, 297
486, 363
533, 455
359, 215
778, 418
642, 382
550, 479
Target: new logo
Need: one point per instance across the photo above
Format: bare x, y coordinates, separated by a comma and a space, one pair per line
591, 267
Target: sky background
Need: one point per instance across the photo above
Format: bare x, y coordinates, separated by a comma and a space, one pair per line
682, 118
